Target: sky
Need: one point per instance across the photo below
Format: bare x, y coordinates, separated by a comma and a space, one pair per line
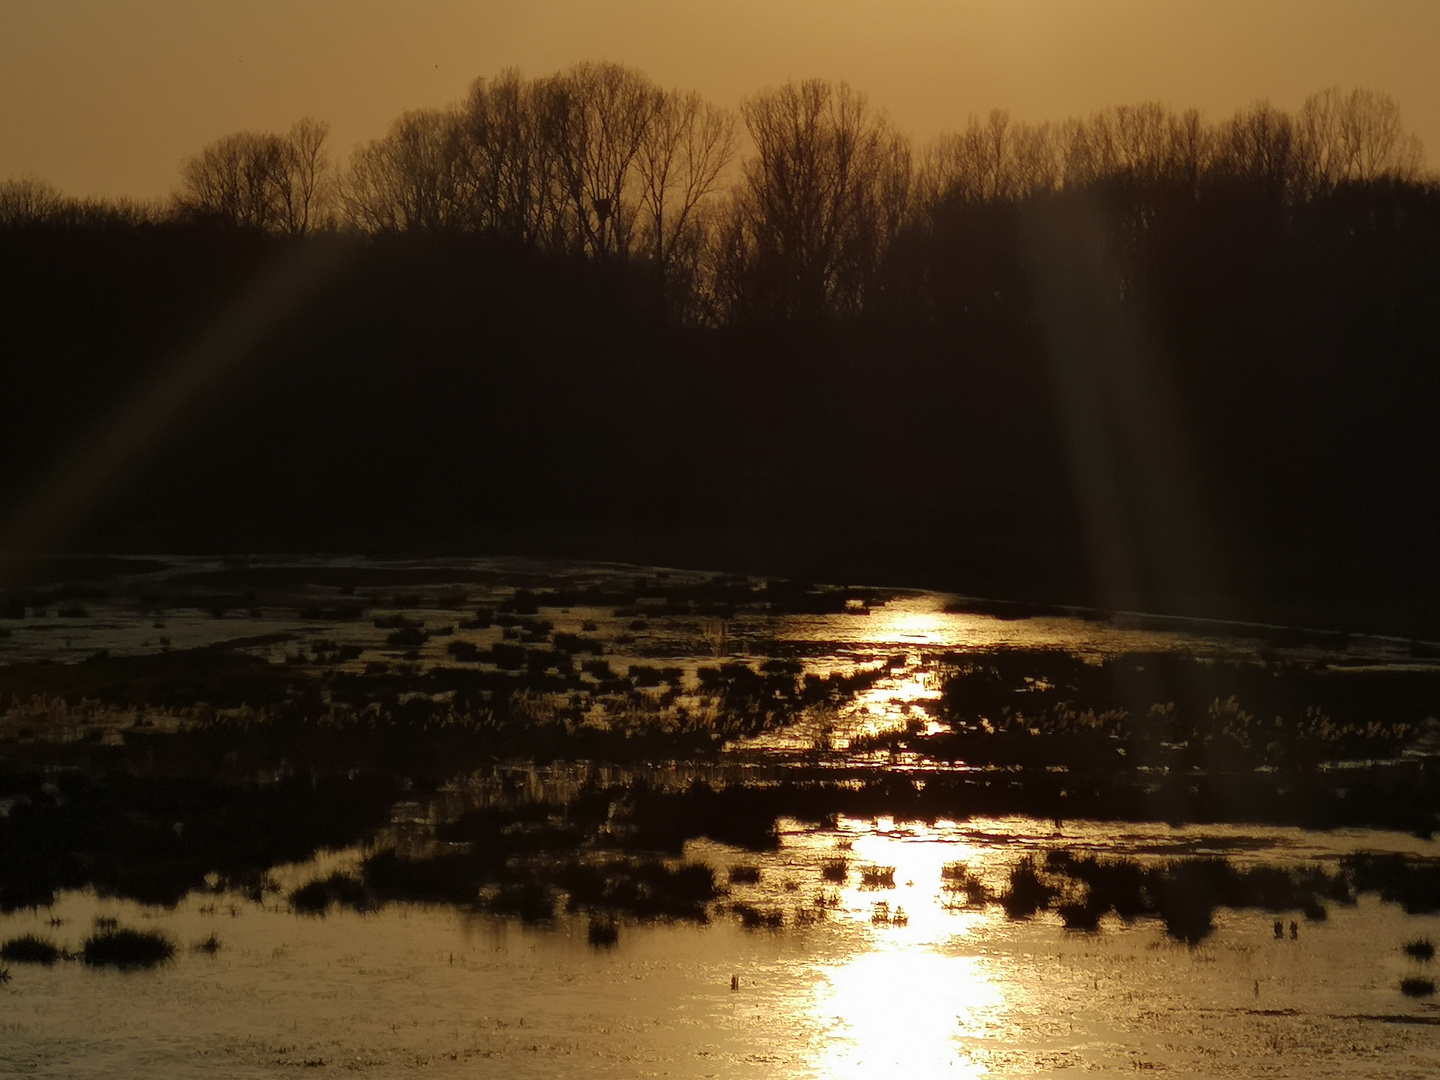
107, 97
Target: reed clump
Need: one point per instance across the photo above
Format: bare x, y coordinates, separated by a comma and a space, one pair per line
30, 949
877, 877
1422, 949
127, 949
338, 890
602, 933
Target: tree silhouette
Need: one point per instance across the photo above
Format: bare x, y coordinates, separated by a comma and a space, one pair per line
259, 180
27, 200
817, 205
417, 176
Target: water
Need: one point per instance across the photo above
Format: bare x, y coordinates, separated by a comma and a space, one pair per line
874, 975
874, 979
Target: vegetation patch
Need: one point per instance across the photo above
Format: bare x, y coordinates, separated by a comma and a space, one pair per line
1422, 949
127, 949
30, 949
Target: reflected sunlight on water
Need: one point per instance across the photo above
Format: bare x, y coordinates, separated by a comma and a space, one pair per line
903, 621
894, 975
860, 946
907, 1009
907, 1000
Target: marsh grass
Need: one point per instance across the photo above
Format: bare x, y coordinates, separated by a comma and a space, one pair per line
965, 889
30, 949
1415, 986
877, 877
210, 945
603, 933
754, 918
127, 949
533, 901
1027, 893
1422, 949
339, 889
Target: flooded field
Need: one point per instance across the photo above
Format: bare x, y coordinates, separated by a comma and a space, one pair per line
467, 818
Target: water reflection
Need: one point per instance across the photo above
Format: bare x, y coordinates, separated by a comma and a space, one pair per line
918, 621
911, 998
945, 990
906, 1010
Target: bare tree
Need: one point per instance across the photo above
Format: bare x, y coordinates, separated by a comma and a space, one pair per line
419, 175
514, 162
259, 180
309, 173
1265, 148
1143, 144
687, 145
1356, 136
598, 116
997, 159
818, 202
27, 200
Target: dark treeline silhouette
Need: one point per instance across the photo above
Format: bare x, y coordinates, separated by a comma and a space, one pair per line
1138, 358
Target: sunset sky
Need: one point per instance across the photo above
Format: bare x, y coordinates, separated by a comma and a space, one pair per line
105, 97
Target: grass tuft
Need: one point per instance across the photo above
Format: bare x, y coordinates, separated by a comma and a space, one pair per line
1420, 949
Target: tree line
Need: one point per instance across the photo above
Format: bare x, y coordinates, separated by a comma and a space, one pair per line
827, 212
583, 307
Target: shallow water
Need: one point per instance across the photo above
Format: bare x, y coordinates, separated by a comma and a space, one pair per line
877, 980
194, 603
853, 980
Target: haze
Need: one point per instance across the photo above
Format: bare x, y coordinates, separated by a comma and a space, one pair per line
105, 97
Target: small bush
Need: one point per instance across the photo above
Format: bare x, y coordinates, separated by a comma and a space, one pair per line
1417, 987
744, 875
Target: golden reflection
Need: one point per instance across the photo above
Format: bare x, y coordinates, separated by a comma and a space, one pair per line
911, 623
898, 702
907, 1011
907, 1001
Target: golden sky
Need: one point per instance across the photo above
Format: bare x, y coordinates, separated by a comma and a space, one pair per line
105, 97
